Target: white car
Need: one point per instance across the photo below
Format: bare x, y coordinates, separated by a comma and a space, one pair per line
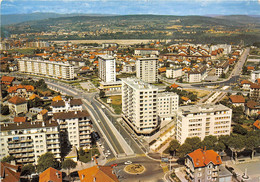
128, 162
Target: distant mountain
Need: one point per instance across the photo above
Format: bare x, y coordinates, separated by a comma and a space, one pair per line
244, 19
19, 18
200, 29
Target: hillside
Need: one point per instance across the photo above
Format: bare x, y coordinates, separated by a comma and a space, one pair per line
192, 28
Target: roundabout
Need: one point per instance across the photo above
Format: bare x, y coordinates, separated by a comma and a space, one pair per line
134, 169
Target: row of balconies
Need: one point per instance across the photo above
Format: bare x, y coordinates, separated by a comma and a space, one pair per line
24, 155
20, 151
26, 160
19, 146
20, 141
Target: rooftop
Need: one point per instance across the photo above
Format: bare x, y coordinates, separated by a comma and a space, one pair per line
98, 174
27, 125
108, 57
138, 84
237, 98
70, 114
202, 108
201, 158
50, 174
17, 100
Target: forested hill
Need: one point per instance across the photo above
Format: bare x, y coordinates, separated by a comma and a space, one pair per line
141, 26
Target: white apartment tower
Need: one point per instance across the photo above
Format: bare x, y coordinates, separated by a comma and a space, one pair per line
168, 103
139, 105
107, 68
147, 69
38, 66
203, 120
26, 141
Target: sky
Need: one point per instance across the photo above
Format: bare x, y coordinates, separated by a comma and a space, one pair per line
125, 7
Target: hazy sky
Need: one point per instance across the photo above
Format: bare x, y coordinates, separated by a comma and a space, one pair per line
123, 7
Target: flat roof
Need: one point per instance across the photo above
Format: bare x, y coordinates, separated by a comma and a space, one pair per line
138, 84
106, 57
202, 108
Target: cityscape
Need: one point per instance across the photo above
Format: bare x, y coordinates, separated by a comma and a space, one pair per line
131, 91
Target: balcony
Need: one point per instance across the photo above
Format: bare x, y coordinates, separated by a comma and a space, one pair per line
20, 141
20, 151
84, 137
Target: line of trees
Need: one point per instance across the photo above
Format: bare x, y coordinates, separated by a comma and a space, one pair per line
235, 142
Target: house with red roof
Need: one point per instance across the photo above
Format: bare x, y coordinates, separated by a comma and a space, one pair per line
20, 119
9, 172
205, 165
7, 80
252, 107
175, 86
245, 84
24, 91
257, 125
237, 100
50, 174
98, 173
17, 105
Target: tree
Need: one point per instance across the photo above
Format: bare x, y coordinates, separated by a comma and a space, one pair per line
81, 151
45, 161
68, 164
236, 144
184, 149
194, 142
8, 158
252, 142
239, 130
102, 94
28, 169
174, 145
5, 110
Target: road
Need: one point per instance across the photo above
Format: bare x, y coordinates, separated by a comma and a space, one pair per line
232, 79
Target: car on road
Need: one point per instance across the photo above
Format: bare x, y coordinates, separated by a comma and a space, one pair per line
128, 162
114, 165
103, 107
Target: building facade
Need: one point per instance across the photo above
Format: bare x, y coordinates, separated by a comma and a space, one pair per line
203, 165
222, 68
197, 75
203, 120
168, 103
147, 69
38, 66
107, 68
139, 105
26, 141
76, 128
173, 72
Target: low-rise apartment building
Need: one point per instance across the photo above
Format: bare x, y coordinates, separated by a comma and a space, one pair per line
203, 120
26, 141
24, 91
173, 72
198, 74
222, 68
66, 105
38, 66
76, 128
146, 51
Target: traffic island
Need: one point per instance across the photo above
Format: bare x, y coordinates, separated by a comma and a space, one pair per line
134, 169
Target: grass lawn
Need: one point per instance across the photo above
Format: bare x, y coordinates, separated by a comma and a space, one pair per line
27, 51
199, 93
117, 103
90, 153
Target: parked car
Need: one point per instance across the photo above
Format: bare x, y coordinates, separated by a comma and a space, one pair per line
128, 162
114, 165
